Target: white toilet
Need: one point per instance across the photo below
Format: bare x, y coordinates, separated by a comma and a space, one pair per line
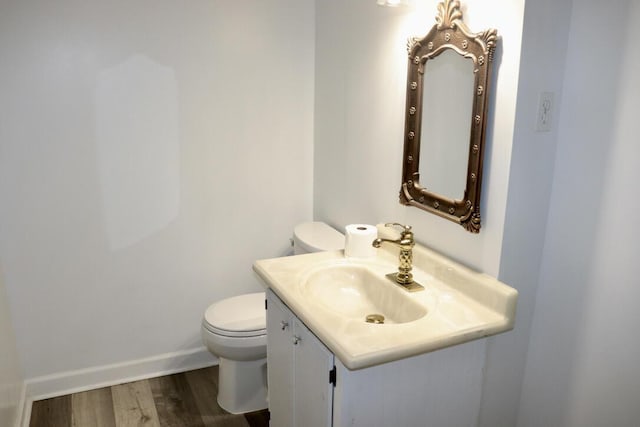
235, 330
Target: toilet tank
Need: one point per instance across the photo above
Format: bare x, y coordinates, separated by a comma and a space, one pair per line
316, 237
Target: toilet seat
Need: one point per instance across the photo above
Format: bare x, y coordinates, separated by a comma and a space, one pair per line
234, 334
240, 316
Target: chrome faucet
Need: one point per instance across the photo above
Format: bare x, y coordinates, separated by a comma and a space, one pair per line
403, 277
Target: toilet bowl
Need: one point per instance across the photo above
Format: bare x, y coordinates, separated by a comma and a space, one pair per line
234, 329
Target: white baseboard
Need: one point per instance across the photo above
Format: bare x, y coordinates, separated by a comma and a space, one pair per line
104, 376
24, 408
13, 398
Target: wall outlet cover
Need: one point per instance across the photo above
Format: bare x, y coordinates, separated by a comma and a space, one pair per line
544, 116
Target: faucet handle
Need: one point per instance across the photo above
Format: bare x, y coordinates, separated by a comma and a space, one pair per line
405, 228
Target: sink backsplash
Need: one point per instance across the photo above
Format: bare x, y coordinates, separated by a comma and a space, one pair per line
453, 273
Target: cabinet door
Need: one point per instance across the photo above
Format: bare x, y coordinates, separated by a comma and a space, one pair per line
280, 362
298, 366
313, 391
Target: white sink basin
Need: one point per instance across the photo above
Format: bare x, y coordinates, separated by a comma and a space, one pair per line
333, 295
355, 292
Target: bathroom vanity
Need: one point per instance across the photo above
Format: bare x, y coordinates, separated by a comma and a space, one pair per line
329, 366
309, 386
346, 346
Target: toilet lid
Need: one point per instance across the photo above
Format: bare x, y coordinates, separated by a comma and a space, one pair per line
238, 316
318, 236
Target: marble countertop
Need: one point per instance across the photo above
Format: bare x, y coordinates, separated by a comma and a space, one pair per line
461, 305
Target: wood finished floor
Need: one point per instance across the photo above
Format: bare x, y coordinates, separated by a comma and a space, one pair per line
185, 399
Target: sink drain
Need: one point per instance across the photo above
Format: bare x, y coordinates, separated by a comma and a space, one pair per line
375, 318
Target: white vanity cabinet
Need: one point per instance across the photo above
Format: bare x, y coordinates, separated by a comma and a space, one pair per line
437, 389
299, 370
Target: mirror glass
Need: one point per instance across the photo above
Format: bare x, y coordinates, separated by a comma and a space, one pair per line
446, 109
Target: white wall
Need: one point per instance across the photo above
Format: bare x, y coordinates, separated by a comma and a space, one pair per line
11, 378
582, 365
361, 65
150, 152
544, 45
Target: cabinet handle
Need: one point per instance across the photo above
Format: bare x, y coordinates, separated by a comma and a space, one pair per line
296, 339
284, 324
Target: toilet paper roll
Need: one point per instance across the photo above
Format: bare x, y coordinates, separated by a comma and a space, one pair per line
359, 239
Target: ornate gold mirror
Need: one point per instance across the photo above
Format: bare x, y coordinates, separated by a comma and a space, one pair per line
447, 97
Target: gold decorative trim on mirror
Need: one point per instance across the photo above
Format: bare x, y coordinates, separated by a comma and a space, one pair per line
449, 33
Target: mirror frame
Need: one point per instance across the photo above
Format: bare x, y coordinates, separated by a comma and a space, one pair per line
450, 32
